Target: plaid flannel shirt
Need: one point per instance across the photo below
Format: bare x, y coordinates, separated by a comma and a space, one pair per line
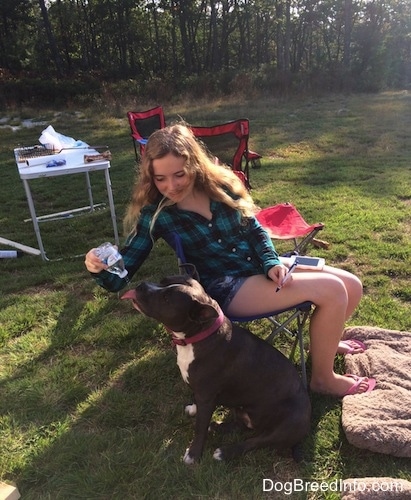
226, 245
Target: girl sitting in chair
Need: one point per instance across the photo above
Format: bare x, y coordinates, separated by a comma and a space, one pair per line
180, 189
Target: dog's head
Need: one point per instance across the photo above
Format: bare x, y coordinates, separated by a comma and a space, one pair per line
179, 302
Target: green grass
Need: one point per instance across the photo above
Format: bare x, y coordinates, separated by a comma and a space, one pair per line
91, 399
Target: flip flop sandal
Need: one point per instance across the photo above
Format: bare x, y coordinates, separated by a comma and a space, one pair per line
352, 345
358, 380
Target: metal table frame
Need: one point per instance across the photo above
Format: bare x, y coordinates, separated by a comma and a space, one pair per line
74, 165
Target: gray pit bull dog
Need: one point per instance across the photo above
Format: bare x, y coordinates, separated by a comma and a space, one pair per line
226, 365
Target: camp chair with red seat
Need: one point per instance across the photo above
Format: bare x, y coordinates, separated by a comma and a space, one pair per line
290, 320
284, 222
228, 143
143, 124
254, 159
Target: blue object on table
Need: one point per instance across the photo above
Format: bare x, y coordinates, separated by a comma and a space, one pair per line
56, 163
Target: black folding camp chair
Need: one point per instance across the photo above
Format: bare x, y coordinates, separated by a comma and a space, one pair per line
281, 319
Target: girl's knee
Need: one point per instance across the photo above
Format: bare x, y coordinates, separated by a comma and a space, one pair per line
352, 283
334, 289
356, 284
354, 287
354, 291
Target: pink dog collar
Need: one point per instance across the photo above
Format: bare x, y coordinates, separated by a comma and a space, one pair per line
201, 335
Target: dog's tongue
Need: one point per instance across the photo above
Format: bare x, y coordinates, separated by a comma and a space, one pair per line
130, 294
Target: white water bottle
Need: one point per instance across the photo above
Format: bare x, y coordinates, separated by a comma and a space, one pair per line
10, 254
113, 258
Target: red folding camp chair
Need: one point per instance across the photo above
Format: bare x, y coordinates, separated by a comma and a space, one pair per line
143, 124
228, 143
284, 222
254, 159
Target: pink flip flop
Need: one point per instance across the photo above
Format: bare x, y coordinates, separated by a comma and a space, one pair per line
352, 345
353, 389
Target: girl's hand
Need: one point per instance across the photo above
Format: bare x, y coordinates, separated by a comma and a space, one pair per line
277, 273
93, 263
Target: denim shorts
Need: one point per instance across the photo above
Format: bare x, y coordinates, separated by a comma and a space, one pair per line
223, 290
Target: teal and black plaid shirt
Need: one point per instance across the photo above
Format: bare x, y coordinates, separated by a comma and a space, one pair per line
228, 245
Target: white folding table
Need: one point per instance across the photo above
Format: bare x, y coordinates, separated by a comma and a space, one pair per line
74, 165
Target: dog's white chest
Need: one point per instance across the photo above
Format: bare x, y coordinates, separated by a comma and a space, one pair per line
185, 356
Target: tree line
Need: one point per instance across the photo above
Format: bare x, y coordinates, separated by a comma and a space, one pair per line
284, 44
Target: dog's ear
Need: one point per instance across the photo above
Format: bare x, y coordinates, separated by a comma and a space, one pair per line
202, 312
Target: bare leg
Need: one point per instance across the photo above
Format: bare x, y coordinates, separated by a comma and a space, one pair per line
351, 282
352, 285
329, 294
354, 290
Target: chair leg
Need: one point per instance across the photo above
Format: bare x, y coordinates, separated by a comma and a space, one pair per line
301, 316
300, 341
135, 150
301, 247
300, 337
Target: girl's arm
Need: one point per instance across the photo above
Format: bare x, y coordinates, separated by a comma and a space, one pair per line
135, 252
263, 246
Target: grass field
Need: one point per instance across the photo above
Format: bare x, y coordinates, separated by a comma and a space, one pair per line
91, 399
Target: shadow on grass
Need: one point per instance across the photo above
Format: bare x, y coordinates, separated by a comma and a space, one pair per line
99, 412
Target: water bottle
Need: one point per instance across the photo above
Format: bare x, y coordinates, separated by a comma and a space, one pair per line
113, 258
10, 254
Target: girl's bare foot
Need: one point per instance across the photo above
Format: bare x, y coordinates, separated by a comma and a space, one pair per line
350, 346
343, 385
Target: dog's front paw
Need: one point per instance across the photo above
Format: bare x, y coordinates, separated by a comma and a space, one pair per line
229, 452
191, 410
188, 459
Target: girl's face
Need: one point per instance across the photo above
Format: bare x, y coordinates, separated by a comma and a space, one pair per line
171, 179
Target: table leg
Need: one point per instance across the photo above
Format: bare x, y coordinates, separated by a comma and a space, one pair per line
89, 191
112, 208
34, 219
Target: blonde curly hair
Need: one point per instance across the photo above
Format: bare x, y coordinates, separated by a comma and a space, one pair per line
213, 179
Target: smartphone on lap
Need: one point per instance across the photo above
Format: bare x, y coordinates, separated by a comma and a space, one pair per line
307, 262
